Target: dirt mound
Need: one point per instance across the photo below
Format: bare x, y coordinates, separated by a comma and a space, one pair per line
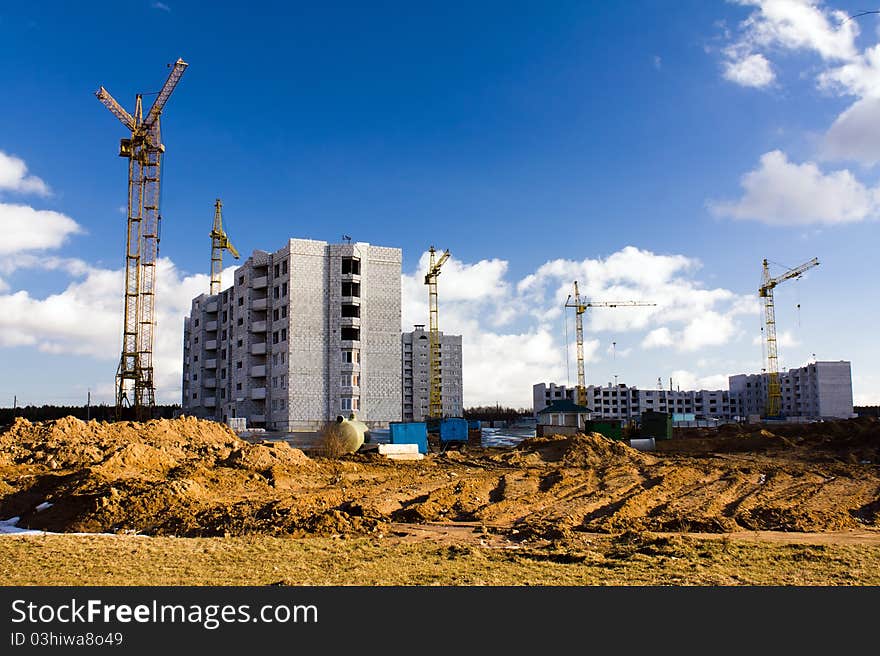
591, 450
191, 477
160, 477
136, 460
262, 457
70, 442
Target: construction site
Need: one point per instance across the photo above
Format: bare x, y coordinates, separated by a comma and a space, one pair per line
311, 424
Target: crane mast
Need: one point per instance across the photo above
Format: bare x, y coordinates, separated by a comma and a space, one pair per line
765, 291
435, 390
143, 149
219, 243
580, 306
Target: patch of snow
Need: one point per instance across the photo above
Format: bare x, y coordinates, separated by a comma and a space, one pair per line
44, 506
9, 527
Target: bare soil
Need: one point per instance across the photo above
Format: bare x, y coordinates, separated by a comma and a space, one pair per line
194, 478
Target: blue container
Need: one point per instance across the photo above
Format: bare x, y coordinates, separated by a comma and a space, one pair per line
412, 432
453, 430
473, 424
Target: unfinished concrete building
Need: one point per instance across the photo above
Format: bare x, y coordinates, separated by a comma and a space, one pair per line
416, 374
306, 333
624, 402
820, 390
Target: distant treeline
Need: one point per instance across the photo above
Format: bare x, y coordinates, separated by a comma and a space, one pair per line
867, 410
98, 412
496, 413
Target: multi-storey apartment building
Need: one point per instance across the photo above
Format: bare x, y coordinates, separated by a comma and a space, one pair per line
820, 390
304, 334
416, 374
624, 402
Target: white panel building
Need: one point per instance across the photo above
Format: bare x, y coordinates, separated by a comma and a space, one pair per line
416, 374
820, 390
306, 333
624, 402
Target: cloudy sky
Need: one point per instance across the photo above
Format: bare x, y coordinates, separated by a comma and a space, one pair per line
653, 151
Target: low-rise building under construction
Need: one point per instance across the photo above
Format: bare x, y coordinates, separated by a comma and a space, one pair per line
819, 390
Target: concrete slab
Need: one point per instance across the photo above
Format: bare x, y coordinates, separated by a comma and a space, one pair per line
405, 456
386, 449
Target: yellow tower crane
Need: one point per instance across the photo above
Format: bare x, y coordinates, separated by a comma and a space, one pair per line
580, 307
765, 291
143, 149
435, 389
219, 243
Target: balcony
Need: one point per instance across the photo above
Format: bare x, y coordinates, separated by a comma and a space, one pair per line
258, 393
210, 402
257, 419
258, 371
258, 327
259, 304
260, 283
258, 349
211, 364
212, 306
211, 325
350, 321
210, 382
211, 345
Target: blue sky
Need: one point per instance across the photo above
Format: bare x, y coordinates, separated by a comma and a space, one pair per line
654, 150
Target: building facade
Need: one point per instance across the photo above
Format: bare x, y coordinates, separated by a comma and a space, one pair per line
624, 402
304, 334
820, 390
416, 374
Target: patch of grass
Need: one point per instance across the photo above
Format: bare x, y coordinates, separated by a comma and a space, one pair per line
631, 559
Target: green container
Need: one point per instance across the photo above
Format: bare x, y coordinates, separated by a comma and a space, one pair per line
657, 425
612, 430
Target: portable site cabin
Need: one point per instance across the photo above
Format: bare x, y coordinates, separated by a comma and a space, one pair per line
563, 417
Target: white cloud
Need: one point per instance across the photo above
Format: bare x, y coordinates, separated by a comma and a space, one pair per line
783, 193
14, 177
799, 25
614, 350
24, 228
658, 338
707, 329
854, 134
658, 62
481, 304
750, 71
160, 6
86, 318
784, 339
777, 26
857, 77
866, 389
687, 380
